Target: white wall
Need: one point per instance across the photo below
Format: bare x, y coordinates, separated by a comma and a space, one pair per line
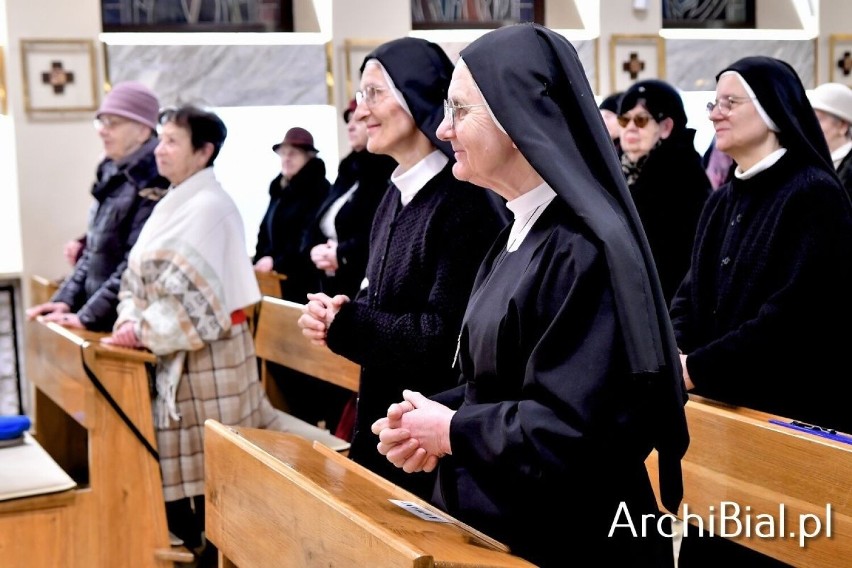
247, 163
53, 160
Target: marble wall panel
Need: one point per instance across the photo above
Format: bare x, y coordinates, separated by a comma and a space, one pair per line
225, 75
692, 65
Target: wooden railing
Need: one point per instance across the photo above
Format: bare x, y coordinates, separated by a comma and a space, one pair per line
798, 484
277, 500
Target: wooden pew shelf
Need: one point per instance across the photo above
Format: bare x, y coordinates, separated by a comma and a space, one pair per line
738, 457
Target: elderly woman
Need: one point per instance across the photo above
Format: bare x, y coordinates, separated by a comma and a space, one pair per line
429, 235
182, 296
832, 104
569, 371
763, 315
295, 195
664, 173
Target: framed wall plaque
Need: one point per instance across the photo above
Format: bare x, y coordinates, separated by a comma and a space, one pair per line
840, 58
635, 58
60, 75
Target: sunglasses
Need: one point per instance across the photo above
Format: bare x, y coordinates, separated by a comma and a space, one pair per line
640, 120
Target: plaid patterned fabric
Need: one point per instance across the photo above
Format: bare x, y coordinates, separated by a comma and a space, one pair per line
219, 381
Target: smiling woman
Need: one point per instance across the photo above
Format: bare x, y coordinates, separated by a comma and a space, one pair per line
429, 235
767, 291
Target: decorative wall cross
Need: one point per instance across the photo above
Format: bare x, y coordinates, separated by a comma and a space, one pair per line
633, 65
57, 77
845, 63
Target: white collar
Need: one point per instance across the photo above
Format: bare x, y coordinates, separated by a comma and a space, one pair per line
417, 176
764, 164
526, 209
840, 153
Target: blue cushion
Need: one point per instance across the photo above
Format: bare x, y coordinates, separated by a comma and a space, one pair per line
13, 426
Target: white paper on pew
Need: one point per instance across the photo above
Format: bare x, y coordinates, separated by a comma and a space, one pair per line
419, 511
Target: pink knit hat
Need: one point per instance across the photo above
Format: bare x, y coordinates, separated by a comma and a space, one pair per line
132, 100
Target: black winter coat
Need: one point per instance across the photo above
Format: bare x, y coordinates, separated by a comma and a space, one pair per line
669, 194
291, 209
764, 313
124, 203
353, 221
845, 173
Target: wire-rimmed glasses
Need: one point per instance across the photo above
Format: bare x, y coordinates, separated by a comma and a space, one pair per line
453, 111
370, 94
105, 122
725, 104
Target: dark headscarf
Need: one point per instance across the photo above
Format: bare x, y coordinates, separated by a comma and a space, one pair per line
421, 71
659, 98
537, 89
781, 94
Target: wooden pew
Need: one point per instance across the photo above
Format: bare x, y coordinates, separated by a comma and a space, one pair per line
270, 283
116, 515
279, 339
277, 500
737, 455
42, 289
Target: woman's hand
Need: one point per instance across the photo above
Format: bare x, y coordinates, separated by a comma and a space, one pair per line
48, 308
65, 319
318, 314
324, 256
124, 336
415, 433
263, 264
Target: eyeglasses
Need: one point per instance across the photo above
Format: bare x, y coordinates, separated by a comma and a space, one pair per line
108, 122
640, 120
369, 95
454, 111
725, 104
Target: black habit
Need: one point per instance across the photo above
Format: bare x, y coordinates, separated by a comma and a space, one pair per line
568, 364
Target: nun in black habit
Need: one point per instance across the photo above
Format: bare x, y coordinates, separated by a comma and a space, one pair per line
763, 314
429, 235
765, 309
569, 369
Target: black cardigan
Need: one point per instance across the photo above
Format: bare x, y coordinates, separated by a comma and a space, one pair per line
402, 329
764, 311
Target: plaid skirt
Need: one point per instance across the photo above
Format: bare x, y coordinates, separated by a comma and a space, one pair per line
219, 381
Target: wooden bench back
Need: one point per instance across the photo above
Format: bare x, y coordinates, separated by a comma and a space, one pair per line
279, 339
41, 289
737, 455
270, 283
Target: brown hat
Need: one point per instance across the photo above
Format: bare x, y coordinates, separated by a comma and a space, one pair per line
349, 110
298, 137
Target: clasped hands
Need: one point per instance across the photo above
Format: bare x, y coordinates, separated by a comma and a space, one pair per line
415, 434
318, 314
324, 256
